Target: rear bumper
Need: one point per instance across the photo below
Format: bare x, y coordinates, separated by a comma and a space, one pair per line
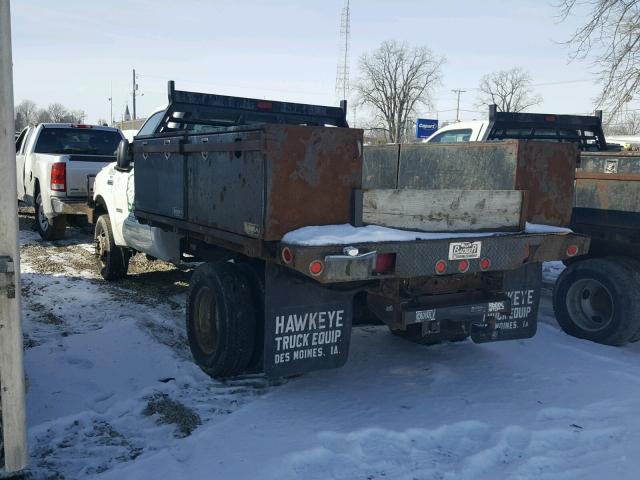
418, 258
69, 206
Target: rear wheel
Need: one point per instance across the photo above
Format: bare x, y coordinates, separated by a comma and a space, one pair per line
596, 299
113, 260
49, 228
221, 320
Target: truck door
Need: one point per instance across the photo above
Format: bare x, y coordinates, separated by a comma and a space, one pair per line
21, 143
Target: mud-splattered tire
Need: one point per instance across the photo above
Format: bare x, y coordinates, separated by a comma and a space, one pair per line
254, 271
49, 228
221, 319
113, 261
595, 299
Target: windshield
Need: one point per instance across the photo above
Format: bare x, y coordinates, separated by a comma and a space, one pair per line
84, 141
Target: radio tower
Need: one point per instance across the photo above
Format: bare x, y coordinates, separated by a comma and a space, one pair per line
342, 76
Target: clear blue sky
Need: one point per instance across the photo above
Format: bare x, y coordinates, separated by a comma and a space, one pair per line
72, 51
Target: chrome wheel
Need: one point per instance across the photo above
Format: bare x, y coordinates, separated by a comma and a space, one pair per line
101, 247
590, 304
205, 329
42, 219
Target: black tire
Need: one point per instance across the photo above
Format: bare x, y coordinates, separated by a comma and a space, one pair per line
221, 320
595, 299
49, 228
254, 272
634, 266
113, 261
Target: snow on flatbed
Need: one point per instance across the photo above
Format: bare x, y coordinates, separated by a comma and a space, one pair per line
113, 394
346, 234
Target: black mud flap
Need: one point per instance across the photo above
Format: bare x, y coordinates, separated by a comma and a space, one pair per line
307, 326
522, 286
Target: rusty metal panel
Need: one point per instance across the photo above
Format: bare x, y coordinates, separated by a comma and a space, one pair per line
461, 166
608, 181
380, 166
225, 186
162, 171
311, 173
546, 171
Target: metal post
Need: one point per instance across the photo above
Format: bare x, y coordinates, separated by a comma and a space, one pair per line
11, 363
134, 94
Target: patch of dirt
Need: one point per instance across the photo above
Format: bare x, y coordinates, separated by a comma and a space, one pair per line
172, 412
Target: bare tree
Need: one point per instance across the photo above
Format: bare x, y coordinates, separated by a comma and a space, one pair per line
43, 116
395, 79
628, 124
510, 90
611, 37
58, 112
27, 112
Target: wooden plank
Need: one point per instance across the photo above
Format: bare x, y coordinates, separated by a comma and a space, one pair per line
444, 210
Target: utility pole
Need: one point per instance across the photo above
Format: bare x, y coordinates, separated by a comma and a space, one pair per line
458, 107
135, 87
111, 105
12, 399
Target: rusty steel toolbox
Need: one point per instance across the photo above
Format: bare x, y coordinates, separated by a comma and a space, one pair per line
261, 182
544, 170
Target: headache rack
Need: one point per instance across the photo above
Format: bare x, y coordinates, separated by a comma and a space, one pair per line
585, 131
200, 112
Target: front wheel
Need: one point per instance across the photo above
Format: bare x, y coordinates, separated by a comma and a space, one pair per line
595, 299
49, 228
221, 320
113, 260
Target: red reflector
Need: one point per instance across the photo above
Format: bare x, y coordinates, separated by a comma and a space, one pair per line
485, 263
441, 266
287, 256
316, 267
59, 177
264, 105
549, 118
463, 266
572, 250
81, 126
385, 263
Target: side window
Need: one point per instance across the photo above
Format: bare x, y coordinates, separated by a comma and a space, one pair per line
452, 136
151, 124
20, 140
27, 140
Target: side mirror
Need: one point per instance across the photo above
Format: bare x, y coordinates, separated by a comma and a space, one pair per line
124, 155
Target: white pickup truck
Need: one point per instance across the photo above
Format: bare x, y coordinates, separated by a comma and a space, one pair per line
118, 233
56, 163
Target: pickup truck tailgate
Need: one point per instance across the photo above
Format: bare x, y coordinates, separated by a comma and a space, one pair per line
80, 168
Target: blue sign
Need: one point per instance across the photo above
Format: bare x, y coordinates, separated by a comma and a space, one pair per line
425, 127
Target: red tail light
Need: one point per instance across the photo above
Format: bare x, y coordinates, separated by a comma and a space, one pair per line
316, 268
77, 125
264, 105
572, 250
463, 266
287, 255
485, 263
59, 177
441, 266
385, 263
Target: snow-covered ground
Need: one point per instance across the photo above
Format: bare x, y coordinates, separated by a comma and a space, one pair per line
113, 393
